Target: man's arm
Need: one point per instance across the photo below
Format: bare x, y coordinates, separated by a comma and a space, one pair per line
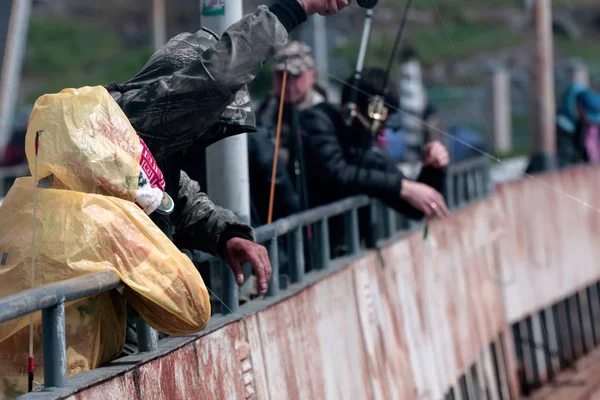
203, 225
206, 85
324, 150
215, 230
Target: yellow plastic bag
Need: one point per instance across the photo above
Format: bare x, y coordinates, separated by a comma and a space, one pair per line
79, 233
87, 142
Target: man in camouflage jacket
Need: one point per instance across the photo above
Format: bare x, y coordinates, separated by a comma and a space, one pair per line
192, 93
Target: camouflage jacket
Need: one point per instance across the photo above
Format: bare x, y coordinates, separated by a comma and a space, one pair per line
193, 92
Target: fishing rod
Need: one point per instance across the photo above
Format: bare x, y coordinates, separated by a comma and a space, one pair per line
30, 361
378, 111
351, 108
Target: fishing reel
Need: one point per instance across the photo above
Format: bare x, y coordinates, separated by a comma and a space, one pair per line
377, 114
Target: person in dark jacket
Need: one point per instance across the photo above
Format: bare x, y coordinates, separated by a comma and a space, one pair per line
191, 93
301, 92
577, 122
343, 161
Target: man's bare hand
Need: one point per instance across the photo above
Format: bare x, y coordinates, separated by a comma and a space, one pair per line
239, 251
436, 155
323, 7
424, 198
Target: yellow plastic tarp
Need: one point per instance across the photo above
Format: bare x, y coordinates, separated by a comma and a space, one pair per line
78, 233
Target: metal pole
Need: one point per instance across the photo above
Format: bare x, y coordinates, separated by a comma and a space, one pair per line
54, 345
274, 257
543, 98
227, 160
228, 182
14, 53
159, 21
5, 7
147, 337
320, 49
500, 110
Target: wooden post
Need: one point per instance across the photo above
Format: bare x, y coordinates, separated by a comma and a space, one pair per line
159, 23
500, 108
542, 90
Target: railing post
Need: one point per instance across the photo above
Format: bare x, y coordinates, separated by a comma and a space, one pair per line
460, 188
230, 290
323, 243
297, 255
390, 226
147, 337
352, 231
54, 346
373, 233
449, 190
487, 178
480, 190
471, 189
273, 289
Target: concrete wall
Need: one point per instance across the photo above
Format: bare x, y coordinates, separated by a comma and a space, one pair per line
406, 322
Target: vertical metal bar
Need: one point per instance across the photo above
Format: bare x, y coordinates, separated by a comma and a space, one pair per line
324, 251
54, 346
487, 179
457, 393
491, 382
297, 256
594, 311
480, 384
391, 226
562, 335
147, 337
230, 290
273, 289
460, 187
500, 368
479, 184
464, 389
531, 343
585, 320
471, 191
352, 233
373, 234
216, 284
541, 347
12, 65
470, 379
576, 338
450, 188
590, 311
550, 338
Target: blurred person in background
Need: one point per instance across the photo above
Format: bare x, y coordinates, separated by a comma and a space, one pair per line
346, 160
577, 122
415, 123
301, 92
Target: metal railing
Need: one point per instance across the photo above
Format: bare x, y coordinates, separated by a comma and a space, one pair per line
466, 182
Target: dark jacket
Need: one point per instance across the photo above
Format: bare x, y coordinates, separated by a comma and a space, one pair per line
339, 164
192, 93
571, 146
261, 150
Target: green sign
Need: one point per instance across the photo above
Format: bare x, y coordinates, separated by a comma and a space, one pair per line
213, 7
